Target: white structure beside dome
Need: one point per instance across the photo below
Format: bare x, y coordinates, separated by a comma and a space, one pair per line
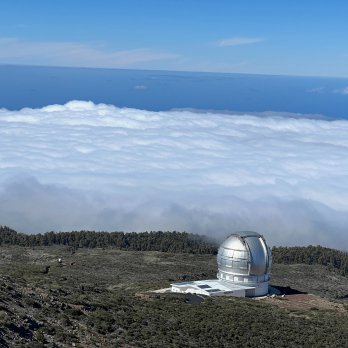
244, 263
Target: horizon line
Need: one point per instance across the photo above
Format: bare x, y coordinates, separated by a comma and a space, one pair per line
169, 70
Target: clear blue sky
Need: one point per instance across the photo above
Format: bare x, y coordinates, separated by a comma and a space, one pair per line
267, 37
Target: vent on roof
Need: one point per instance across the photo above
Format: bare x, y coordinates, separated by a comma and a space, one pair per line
205, 286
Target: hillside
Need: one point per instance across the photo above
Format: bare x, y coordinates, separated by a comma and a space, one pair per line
177, 242
98, 297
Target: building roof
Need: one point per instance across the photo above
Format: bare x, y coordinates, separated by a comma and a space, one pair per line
244, 234
212, 286
244, 253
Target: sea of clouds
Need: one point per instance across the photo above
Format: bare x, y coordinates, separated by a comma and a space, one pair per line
87, 166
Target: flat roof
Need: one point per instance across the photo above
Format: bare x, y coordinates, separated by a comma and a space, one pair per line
214, 284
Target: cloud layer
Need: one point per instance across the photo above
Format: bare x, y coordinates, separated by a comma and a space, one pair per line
82, 165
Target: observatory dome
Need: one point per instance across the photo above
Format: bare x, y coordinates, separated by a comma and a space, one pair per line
244, 258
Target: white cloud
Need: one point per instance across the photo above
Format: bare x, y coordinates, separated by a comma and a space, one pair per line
140, 87
75, 54
82, 165
318, 90
343, 91
237, 41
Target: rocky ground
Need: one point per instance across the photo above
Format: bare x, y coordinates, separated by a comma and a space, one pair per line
58, 297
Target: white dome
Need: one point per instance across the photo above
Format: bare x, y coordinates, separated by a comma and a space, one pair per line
245, 258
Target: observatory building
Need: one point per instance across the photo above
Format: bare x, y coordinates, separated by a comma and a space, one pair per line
244, 261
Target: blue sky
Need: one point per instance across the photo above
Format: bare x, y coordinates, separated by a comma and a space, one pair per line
266, 37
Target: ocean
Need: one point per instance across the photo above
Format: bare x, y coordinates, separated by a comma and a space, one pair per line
35, 87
